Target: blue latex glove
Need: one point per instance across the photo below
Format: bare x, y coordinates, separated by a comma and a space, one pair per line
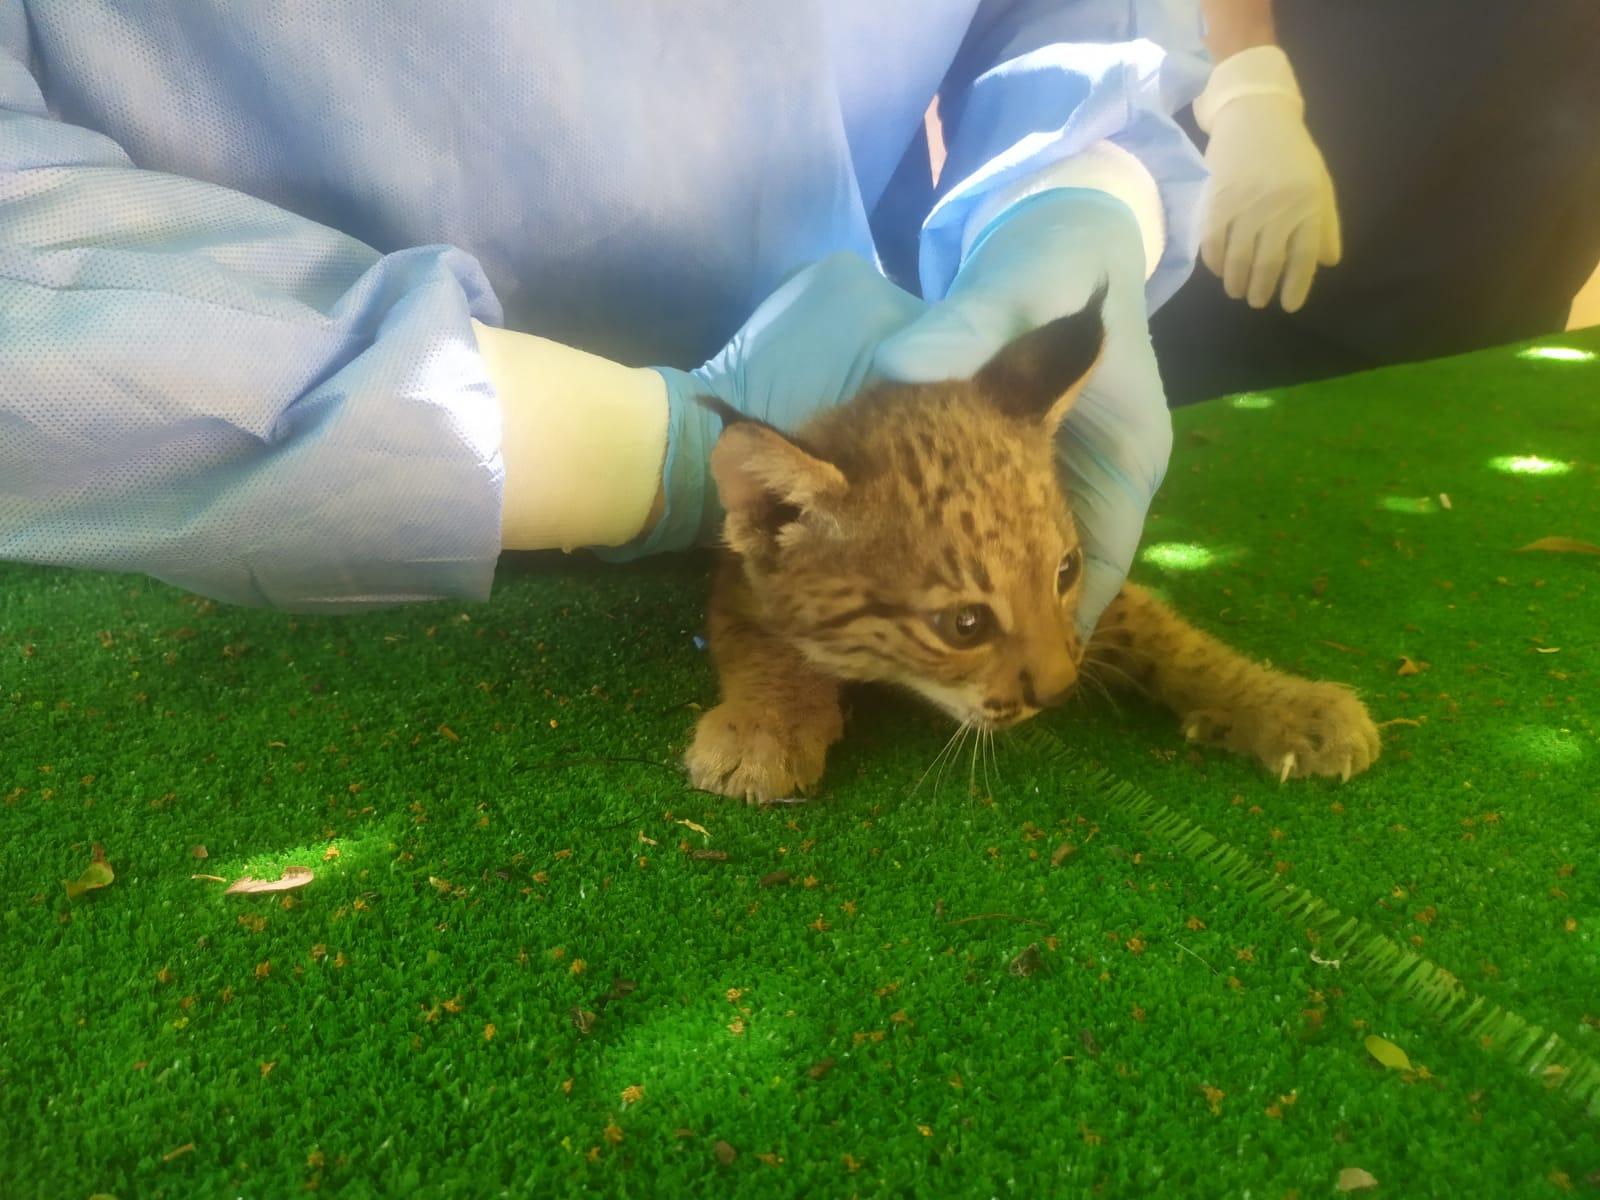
1038, 260
809, 346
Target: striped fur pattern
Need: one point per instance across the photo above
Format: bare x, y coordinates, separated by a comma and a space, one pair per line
918, 537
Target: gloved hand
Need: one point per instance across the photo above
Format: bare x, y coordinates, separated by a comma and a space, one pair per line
809, 346
1039, 260
1270, 209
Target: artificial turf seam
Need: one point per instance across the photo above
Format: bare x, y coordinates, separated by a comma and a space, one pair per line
1386, 966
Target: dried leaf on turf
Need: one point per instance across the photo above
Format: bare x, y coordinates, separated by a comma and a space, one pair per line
1028, 962
1354, 1179
1387, 1053
200, 852
822, 1068
1561, 545
1407, 667
700, 829
774, 878
725, 1153
95, 876
211, 878
292, 877
583, 1020
709, 855
1063, 852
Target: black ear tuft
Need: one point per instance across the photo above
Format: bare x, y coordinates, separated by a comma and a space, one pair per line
1037, 376
729, 414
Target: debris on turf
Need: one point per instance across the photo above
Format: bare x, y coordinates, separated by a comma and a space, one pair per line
96, 875
1354, 1179
1386, 1052
1561, 545
1028, 962
292, 877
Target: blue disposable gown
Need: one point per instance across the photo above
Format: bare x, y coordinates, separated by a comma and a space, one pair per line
241, 243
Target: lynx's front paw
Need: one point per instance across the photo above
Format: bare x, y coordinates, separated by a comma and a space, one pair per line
757, 755
1297, 728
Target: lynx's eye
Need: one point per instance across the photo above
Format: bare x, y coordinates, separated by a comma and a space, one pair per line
964, 626
1069, 570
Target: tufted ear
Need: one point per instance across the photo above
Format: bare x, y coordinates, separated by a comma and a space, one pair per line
1038, 376
766, 479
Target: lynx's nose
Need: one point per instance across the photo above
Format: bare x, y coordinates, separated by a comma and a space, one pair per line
1048, 686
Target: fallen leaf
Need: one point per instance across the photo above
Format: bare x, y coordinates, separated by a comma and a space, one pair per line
582, 1019
1354, 1179
709, 855
1026, 963
212, 878
1561, 545
772, 1160
1407, 667
1063, 852
632, 1094
1444, 501
450, 733
822, 1068
200, 852
293, 877
172, 1154
612, 1133
1387, 1053
725, 1153
95, 876
700, 829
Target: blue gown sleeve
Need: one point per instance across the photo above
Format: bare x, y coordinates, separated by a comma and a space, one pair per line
1038, 81
208, 389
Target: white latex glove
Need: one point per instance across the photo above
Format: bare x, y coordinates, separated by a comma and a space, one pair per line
1270, 211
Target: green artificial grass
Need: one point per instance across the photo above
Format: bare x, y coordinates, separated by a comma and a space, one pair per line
1105, 961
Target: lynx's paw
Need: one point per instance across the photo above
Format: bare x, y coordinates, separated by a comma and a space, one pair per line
1298, 728
754, 754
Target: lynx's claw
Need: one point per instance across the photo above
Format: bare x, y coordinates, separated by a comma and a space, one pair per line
1305, 729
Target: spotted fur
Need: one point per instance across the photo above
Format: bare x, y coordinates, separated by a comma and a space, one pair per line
853, 543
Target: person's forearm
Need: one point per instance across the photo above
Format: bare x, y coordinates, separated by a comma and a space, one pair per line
1235, 25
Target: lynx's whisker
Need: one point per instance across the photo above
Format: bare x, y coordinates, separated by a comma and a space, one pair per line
943, 751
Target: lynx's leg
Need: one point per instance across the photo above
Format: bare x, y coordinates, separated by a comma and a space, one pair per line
769, 736
1295, 726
